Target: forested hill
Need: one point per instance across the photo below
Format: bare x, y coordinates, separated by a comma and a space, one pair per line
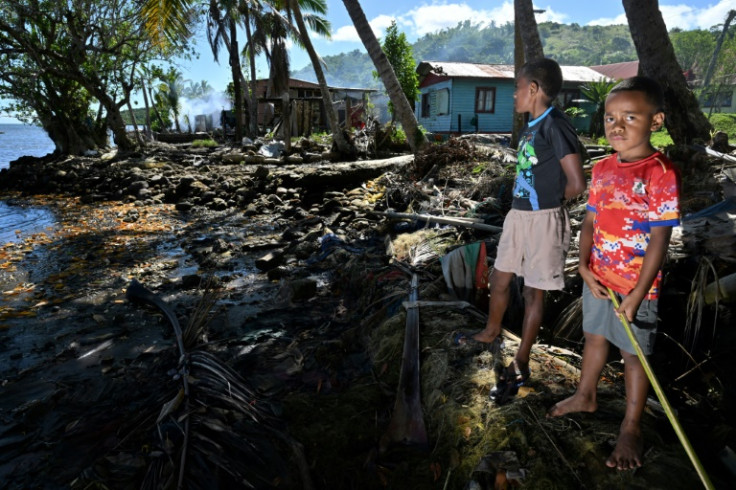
569, 44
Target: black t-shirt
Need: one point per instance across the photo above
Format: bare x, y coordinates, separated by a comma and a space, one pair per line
540, 180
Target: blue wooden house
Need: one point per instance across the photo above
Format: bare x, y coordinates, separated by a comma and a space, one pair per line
458, 98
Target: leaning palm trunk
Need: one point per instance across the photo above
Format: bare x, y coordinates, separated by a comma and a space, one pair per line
685, 121
338, 136
408, 119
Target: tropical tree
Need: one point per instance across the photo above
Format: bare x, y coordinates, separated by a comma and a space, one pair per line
170, 90
597, 92
719, 43
526, 29
414, 136
60, 59
685, 121
320, 6
401, 56
527, 47
197, 90
222, 19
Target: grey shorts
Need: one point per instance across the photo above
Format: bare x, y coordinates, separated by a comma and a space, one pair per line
599, 318
534, 245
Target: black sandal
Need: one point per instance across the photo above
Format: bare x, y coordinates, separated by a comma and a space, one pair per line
509, 381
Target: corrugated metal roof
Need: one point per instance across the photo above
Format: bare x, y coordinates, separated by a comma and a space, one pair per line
478, 70
465, 70
618, 71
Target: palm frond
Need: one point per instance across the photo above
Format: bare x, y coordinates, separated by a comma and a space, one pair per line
570, 322
167, 22
319, 25
696, 301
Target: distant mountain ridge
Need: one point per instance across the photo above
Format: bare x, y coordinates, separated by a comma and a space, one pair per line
569, 44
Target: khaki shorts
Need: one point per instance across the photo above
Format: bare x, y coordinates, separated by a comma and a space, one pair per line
534, 245
599, 318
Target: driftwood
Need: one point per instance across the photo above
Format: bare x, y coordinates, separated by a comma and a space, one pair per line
455, 221
407, 421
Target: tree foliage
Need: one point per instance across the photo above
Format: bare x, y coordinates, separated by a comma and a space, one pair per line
400, 54
71, 66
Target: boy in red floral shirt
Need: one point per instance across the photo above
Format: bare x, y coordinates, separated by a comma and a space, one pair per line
632, 206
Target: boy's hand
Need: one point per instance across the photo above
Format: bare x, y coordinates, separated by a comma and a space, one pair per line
598, 290
629, 306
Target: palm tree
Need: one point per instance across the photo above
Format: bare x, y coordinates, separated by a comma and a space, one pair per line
222, 30
685, 121
597, 92
526, 27
405, 113
170, 90
527, 46
293, 6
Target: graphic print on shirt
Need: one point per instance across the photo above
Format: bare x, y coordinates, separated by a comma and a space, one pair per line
526, 159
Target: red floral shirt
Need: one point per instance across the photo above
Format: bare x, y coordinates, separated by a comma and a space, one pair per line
628, 200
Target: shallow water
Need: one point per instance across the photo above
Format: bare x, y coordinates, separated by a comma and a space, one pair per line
17, 140
18, 221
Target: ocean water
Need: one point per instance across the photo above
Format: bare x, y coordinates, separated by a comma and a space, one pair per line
17, 140
16, 220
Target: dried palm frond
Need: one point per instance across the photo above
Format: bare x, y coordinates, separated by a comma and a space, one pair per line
202, 312
570, 322
696, 301
214, 432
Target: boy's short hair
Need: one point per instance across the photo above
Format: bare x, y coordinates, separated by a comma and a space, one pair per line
546, 73
651, 89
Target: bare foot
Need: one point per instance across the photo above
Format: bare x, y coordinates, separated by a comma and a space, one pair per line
576, 403
629, 448
486, 336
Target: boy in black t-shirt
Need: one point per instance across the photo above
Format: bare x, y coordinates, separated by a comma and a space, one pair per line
536, 231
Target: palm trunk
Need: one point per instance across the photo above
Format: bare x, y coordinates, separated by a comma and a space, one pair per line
405, 112
148, 110
135, 126
338, 136
237, 81
524, 18
685, 121
253, 108
719, 43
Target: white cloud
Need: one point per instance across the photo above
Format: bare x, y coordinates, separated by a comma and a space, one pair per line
349, 34
687, 17
681, 15
549, 15
609, 21
432, 18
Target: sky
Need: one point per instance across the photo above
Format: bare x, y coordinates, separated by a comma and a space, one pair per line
417, 18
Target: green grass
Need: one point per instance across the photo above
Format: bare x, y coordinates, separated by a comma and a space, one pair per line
204, 143
661, 138
720, 122
725, 123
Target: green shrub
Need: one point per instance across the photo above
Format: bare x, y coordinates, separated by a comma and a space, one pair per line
323, 138
204, 143
725, 123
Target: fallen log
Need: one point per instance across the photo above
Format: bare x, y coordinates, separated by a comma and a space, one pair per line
444, 220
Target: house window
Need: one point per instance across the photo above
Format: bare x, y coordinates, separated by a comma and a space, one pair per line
425, 106
442, 101
485, 99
